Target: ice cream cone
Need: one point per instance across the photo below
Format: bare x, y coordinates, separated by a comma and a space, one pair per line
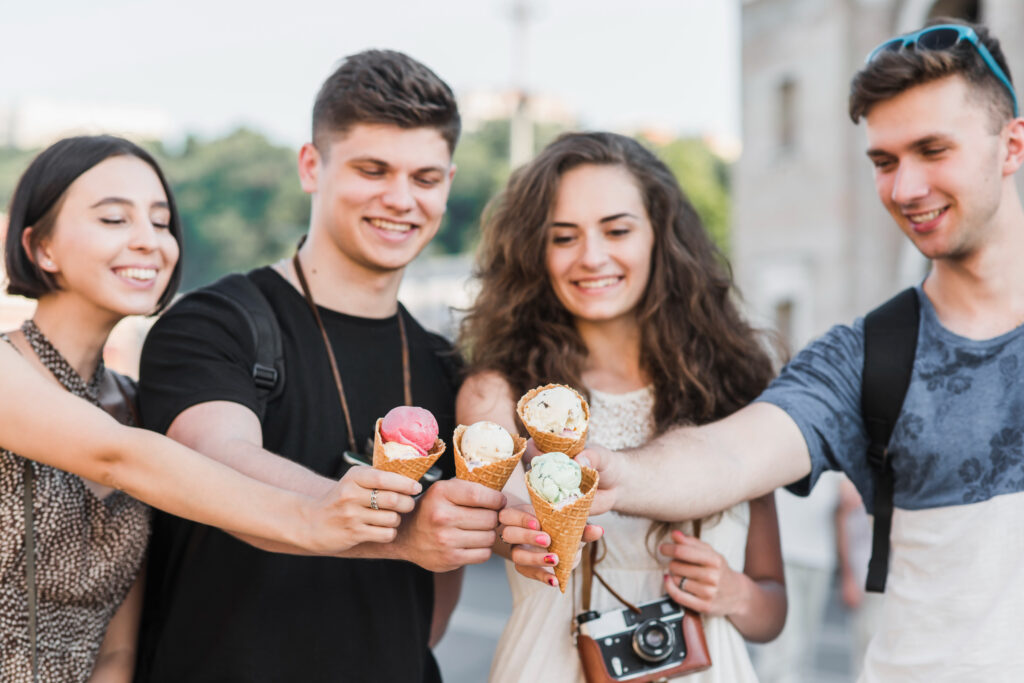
414, 468
492, 475
546, 441
565, 524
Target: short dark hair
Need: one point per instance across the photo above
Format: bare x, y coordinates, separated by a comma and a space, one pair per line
40, 194
384, 86
893, 72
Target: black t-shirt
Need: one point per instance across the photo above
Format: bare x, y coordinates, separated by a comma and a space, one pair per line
217, 609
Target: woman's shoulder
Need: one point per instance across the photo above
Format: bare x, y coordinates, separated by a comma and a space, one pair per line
486, 383
486, 395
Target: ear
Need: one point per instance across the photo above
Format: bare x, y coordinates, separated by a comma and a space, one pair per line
309, 167
41, 257
1014, 146
451, 173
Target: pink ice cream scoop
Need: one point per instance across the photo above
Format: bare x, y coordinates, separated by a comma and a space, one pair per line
410, 425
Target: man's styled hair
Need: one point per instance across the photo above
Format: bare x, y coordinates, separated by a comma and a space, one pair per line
384, 86
892, 72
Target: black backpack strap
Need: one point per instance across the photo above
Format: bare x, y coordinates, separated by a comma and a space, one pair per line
890, 343
268, 369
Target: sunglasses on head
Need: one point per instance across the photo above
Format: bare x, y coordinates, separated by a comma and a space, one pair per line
946, 37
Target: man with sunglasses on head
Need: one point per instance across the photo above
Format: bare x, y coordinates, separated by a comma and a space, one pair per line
945, 140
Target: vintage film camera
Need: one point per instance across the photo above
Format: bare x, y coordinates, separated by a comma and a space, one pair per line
633, 645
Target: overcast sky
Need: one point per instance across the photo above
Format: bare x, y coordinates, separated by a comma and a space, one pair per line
212, 65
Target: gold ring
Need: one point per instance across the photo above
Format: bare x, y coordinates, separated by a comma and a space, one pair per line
373, 500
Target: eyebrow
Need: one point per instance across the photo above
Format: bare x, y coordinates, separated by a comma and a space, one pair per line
606, 219
127, 202
381, 162
915, 145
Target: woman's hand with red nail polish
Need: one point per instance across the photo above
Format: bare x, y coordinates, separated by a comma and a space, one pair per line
527, 548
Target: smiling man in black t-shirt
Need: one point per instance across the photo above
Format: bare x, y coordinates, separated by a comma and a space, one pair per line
378, 170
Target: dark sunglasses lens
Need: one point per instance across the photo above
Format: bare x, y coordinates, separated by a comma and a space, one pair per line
939, 39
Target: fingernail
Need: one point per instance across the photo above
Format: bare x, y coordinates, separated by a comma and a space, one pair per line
533, 524
552, 581
542, 540
550, 559
678, 535
417, 489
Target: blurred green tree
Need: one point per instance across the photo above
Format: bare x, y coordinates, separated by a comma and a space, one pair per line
240, 202
242, 206
704, 178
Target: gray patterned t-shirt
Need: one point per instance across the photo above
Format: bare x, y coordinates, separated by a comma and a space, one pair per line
954, 606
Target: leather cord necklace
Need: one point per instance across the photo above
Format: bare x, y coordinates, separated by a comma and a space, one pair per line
406, 372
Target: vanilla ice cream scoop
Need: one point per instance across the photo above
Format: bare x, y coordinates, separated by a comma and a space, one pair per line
557, 410
400, 451
555, 477
486, 442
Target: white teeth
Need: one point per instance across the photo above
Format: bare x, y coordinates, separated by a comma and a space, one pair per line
919, 218
596, 284
141, 274
388, 225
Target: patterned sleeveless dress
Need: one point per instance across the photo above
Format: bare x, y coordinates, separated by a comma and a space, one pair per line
88, 553
537, 644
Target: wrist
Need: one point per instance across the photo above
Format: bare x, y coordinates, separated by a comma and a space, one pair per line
303, 533
739, 606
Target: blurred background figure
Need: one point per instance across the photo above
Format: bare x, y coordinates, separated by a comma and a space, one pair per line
807, 527
853, 543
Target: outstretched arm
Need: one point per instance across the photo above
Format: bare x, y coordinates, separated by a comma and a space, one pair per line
42, 422
447, 529
691, 472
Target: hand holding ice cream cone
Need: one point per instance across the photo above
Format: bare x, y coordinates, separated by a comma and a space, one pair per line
561, 492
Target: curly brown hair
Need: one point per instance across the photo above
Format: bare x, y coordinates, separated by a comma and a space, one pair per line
703, 358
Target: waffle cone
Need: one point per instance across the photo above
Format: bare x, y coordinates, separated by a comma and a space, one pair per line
546, 441
492, 475
414, 468
565, 524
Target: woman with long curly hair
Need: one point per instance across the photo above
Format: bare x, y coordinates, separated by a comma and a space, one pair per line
595, 272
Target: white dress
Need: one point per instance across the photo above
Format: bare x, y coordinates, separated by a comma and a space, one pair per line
537, 644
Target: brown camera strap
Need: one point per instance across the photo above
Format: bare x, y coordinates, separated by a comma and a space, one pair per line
406, 371
590, 559
590, 573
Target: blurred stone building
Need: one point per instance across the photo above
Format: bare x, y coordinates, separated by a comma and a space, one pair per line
812, 244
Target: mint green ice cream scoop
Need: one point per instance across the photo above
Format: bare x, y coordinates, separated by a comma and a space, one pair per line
555, 476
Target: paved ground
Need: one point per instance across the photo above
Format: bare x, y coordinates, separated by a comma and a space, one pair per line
465, 652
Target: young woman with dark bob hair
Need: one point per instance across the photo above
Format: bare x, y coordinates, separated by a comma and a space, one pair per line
94, 236
595, 272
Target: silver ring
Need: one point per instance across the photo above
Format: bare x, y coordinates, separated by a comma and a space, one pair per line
373, 500
681, 582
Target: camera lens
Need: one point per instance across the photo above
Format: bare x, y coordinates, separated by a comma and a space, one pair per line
653, 641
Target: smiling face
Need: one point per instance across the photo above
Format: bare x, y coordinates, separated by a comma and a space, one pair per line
599, 243
938, 167
379, 192
111, 247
